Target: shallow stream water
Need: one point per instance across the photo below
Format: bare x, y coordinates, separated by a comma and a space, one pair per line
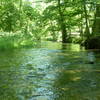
50, 71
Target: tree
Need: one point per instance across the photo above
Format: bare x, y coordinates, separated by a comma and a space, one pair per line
9, 16
96, 25
57, 12
62, 23
87, 30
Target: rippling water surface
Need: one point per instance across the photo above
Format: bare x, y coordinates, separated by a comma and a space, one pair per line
51, 71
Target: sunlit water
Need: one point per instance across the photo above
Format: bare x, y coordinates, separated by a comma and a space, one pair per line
51, 71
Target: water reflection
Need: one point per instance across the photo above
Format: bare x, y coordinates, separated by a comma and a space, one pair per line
50, 72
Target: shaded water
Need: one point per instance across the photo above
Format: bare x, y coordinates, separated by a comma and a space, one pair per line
51, 71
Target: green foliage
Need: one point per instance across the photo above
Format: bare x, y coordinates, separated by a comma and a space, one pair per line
9, 16
22, 21
56, 20
10, 41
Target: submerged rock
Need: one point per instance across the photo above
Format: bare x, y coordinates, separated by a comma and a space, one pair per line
91, 58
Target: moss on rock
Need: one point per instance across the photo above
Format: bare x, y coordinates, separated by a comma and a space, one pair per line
93, 43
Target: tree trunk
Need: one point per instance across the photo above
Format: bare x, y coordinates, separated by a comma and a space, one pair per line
87, 31
54, 37
81, 28
20, 11
96, 25
62, 24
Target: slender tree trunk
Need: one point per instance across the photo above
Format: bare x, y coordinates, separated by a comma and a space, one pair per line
20, 10
81, 28
62, 24
96, 25
87, 31
53, 32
